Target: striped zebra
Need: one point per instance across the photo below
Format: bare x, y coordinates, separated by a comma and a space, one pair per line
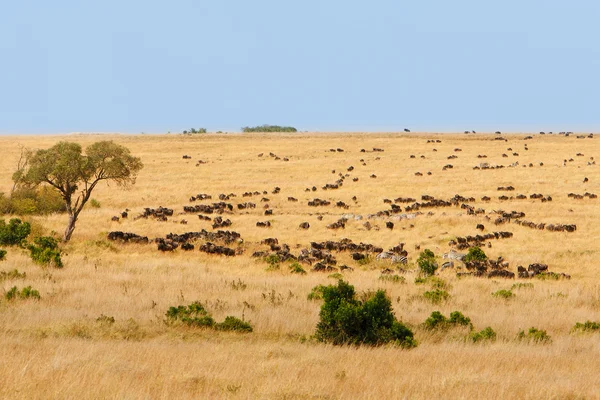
447, 264
453, 255
400, 260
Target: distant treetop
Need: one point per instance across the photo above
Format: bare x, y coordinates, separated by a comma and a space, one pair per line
269, 128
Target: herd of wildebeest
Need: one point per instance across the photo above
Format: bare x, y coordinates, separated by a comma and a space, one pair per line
321, 256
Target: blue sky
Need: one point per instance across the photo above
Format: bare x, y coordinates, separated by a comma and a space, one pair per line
158, 66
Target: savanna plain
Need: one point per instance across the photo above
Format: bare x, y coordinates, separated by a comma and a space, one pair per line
67, 345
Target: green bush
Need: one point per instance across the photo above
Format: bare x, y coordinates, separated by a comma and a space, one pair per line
336, 276
486, 334
45, 252
296, 268
10, 275
233, 324
194, 130
346, 320
436, 296
505, 294
534, 335
25, 293
26, 200
392, 278
475, 254
521, 285
14, 233
426, 262
269, 128
437, 321
2, 254
94, 203
316, 293
587, 326
193, 315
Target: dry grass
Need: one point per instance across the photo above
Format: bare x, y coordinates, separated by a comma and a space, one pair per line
55, 348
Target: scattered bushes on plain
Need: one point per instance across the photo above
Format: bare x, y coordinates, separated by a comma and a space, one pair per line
10, 275
296, 268
587, 326
504, 294
194, 131
392, 278
14, 233
438, 321
426, 263
436, 296
45, 252
195, 315
269, 128
24, 294
475, 254
486, 334
522, 285
534, 335
344, 319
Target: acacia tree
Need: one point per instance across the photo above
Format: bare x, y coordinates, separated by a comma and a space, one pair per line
75, 175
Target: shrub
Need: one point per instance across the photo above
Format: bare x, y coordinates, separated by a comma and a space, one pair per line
103, 319
437, 321
483, 335
2, 254
346, 320
505, 294
296, 268
273, 260
436, 296
392, 278
25, 293
194, 130
587, 326
14, 233
316, 293
26, 200
193, 315
14, 274
336, 276
233, 324
45, 251
426, 262
521, 285
534, 335
475, 254
269, 128
94, 203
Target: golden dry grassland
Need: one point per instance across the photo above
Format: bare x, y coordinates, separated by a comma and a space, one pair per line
55, 348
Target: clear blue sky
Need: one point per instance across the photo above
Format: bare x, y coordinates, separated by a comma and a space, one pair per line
157, 66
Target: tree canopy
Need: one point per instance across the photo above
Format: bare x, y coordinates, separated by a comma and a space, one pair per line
74, 174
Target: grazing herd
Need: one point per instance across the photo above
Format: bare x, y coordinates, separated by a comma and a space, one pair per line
322, 256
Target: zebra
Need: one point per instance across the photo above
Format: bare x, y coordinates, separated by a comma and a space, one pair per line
400, 260
453, 255
447, 264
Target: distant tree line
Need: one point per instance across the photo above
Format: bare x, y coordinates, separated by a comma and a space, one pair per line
269, 128
194, 130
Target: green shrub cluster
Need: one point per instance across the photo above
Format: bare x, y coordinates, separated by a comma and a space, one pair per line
522, 285
14, 233
195, 315
475, 254
344, 319
505, 294
194, 130
534, 335
316, 293
426, 262
296, 268
587, 326
436, 296
45, 252
486, 334
2, 254
10, 275
25, 293
269, 128
438, 321
37, 201
393, 278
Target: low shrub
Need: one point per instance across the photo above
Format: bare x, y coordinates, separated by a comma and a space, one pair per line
2, 254
45, 252
587, 326
426, 263
436, 296
392, 278
31, 201
438, 321
10, 275
296, 268
192, 315
336, 276
316, 293
534, 335
25, 293
103, 319
14, 233
475, 254
344, 319
505, 294
521, 285
269, 128
233, 324
486, 334
94, 203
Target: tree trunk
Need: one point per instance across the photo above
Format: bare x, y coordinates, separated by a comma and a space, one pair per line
70, 228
